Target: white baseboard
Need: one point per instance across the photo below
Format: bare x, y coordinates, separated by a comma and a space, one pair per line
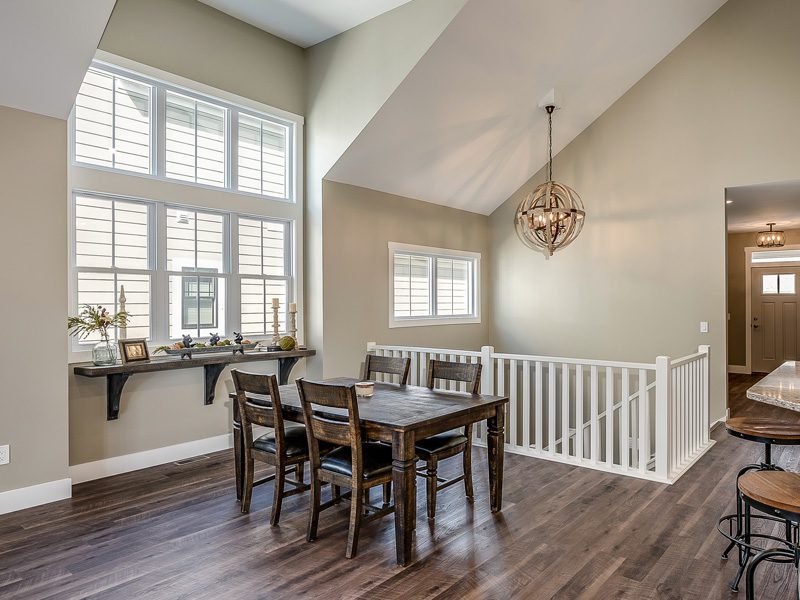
741, 369
34, 495
148, 458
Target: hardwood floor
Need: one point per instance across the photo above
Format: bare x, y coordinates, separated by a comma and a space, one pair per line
175, 531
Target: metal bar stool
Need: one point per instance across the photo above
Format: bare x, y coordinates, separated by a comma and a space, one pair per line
763, 431
777, 494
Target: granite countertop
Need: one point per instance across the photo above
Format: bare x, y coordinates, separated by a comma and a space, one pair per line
781, 387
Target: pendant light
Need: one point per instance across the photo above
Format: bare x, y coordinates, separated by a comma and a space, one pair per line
552, 215
771, 239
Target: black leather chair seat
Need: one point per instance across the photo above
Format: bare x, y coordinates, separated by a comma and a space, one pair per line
295, 440
377, 459
440, 442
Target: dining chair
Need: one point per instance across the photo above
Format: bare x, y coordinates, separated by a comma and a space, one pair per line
285, 446
391, 365
356, 465
450, 443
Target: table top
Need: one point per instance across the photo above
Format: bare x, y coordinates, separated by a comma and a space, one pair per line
176, 362
400, 407
781, 387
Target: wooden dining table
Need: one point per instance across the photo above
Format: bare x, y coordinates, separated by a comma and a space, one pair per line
400, 415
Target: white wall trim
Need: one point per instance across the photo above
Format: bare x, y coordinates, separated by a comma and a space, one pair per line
741, 369
148, 458
35, 495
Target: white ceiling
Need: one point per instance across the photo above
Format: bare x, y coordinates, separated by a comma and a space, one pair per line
464, 130
46, 48
754, 206
304, 22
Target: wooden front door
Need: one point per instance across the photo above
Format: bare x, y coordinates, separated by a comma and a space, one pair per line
775, 316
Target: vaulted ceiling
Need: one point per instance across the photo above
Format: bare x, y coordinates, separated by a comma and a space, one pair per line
46, 48
304, 23
463, 129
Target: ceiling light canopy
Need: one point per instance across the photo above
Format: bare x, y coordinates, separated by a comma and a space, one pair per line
552, 215
771, 238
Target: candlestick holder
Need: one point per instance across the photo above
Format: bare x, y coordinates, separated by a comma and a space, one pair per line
276, 328
293, 325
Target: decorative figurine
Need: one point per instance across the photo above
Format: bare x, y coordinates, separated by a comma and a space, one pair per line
213, 340
239, 338
187, 341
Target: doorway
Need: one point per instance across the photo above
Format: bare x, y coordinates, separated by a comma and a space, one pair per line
774, 316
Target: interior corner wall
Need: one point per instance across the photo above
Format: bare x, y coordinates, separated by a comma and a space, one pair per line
737, 290
719, 111
358, 225
349, 77
33, 210
193, 40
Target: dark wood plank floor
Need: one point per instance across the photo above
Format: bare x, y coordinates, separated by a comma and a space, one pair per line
175, 531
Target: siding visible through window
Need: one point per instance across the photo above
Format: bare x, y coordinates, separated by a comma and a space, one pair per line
262, 157
195, 141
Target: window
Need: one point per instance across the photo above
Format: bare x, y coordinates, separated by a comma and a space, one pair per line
112, 253
265, 270
128, 122
783, 283
431, 286
197, 286
112, 122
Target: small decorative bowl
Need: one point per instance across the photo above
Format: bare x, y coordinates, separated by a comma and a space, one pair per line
365, 389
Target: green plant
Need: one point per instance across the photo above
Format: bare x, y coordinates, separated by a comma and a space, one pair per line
95, 318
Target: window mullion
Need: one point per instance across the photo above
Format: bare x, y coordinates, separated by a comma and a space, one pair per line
232, 149
233, 288
434, 303
160, 145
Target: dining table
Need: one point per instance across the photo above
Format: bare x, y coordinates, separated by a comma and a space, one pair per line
400, 415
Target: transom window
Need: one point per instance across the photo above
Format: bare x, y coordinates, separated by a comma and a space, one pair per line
177, 269
432, 286
128, 122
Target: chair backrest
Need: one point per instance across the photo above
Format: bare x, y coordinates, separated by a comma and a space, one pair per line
454, 371
340, 427
268, 415
393, 365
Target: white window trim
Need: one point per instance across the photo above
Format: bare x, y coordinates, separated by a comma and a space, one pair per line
232, 103
426, 321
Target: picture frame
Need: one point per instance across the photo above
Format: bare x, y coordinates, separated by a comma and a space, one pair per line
133, 350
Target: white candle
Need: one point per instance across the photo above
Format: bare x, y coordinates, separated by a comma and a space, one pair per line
293, 307
275, 303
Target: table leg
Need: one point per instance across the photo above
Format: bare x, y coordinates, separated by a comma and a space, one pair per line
404, 478
285, 368
496, 427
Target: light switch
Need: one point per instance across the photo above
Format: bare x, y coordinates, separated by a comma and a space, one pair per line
703, 326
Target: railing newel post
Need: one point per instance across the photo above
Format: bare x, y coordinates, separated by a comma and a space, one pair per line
663, 416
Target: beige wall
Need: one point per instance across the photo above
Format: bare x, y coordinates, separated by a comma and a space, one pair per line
33, 210
359, 223
350, 76
189, 39
719, 111
193, 40
737, 291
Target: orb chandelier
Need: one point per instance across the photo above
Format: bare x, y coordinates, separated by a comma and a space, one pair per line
552, 215
771, 239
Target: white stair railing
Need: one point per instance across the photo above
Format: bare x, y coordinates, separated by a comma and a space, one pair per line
647, 420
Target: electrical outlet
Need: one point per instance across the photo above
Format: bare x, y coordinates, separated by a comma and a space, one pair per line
5, 456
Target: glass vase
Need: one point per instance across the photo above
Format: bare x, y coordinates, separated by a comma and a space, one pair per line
104, 354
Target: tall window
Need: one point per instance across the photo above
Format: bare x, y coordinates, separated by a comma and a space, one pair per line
128, 122
433, 286
265, 273
112, 253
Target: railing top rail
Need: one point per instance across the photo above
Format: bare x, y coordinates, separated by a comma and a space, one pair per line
687, 359
576, 361
427, 350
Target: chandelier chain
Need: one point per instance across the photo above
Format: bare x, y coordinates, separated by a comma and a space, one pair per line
550, 143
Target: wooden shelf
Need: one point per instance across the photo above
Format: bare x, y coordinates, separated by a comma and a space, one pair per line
213, 364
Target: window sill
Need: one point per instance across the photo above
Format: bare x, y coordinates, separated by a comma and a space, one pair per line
397, 323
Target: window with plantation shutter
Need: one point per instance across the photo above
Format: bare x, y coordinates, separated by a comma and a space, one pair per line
195, 140
126, 121
265, 273
112, 122
112, 242
262, 157
432, 286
